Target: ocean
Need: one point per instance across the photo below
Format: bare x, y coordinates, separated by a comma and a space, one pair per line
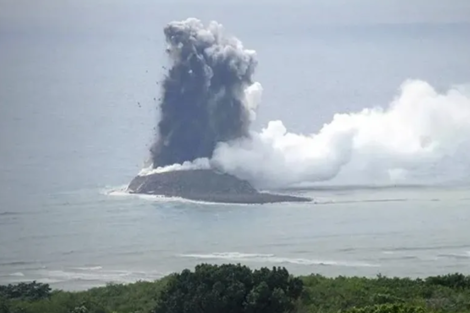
78, 102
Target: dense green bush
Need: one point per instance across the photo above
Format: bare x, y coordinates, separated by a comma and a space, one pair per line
456, 281
387, 308
25, 291
230, 289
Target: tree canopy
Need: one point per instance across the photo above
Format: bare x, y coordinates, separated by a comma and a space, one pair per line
230, 289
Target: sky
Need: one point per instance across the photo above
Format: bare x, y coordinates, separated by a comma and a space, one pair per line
105, 54
104, 15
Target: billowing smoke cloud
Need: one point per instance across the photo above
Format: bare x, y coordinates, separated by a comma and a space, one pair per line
209, 100
203, 99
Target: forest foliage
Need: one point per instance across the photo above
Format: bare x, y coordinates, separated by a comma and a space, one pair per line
234, 288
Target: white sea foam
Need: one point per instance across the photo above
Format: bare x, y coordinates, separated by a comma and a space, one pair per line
96, 274
122, 192
88, 268
271, 258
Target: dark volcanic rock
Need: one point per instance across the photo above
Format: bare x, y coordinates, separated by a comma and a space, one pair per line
205, 185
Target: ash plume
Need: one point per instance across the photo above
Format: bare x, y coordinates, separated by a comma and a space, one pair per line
203, 101
421, 137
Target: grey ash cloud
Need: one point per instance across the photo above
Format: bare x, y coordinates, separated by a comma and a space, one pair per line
203, 92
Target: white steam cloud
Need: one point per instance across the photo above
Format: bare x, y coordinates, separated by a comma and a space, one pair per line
422, 136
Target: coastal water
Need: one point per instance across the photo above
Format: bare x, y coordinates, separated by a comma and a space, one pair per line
77, 112
88, 237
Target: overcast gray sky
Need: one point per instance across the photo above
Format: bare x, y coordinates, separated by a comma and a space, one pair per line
90, 13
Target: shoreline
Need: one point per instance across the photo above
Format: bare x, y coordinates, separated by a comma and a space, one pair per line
163, 278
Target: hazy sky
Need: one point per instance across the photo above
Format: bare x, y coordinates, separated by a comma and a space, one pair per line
103, 14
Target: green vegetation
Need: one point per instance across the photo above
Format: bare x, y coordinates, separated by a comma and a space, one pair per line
230, 289
238, 289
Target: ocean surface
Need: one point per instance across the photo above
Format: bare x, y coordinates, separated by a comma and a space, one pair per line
77, 113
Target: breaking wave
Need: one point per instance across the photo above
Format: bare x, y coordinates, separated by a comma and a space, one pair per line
271, 258
95, 275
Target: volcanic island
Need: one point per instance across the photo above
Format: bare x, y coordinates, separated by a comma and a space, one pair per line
205, 185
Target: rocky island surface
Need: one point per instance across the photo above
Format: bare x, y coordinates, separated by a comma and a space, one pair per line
205, 185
